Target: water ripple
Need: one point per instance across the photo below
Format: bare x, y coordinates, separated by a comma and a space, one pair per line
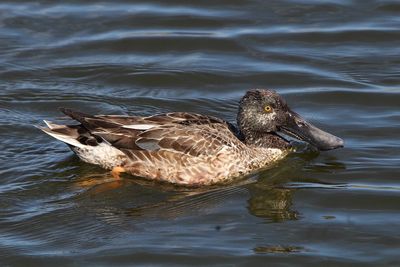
336, 63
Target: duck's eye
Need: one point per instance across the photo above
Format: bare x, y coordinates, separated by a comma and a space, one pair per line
268, 109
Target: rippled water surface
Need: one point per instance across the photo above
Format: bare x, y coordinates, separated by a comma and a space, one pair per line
336, 62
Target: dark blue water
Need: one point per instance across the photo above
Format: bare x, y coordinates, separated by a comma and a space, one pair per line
336, 62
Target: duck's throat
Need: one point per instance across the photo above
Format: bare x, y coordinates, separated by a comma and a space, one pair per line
267, 140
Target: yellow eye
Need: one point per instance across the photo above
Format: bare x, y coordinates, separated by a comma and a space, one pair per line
268, 109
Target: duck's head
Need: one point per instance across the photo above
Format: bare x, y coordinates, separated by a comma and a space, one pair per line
264, 113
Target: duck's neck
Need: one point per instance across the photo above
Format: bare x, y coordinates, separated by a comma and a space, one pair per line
252, 137
266, 140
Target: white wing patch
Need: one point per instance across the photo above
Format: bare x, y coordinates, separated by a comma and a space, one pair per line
140, 126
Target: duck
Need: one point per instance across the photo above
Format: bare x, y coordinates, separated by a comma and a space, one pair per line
191, 149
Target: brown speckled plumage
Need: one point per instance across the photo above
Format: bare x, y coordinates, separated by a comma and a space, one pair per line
182, 148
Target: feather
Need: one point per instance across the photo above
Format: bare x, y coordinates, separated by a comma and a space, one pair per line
62, 137
139, 126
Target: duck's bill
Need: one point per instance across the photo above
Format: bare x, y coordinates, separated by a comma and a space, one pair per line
299, 128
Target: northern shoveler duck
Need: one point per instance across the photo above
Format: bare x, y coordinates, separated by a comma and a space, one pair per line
188, 148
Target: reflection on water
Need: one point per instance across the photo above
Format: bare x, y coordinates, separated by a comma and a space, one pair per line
274, 204
264, 194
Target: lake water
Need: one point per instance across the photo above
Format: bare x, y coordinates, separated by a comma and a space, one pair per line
336, 62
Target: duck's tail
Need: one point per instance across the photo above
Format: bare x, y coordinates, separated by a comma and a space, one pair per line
86, 146
64, 133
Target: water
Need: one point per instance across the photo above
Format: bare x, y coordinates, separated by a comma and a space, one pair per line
337, 63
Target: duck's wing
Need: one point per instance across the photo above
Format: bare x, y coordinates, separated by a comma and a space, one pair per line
179, 132
161, 119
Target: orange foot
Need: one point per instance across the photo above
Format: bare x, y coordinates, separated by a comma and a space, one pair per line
104, 181
116, 171
90, 182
